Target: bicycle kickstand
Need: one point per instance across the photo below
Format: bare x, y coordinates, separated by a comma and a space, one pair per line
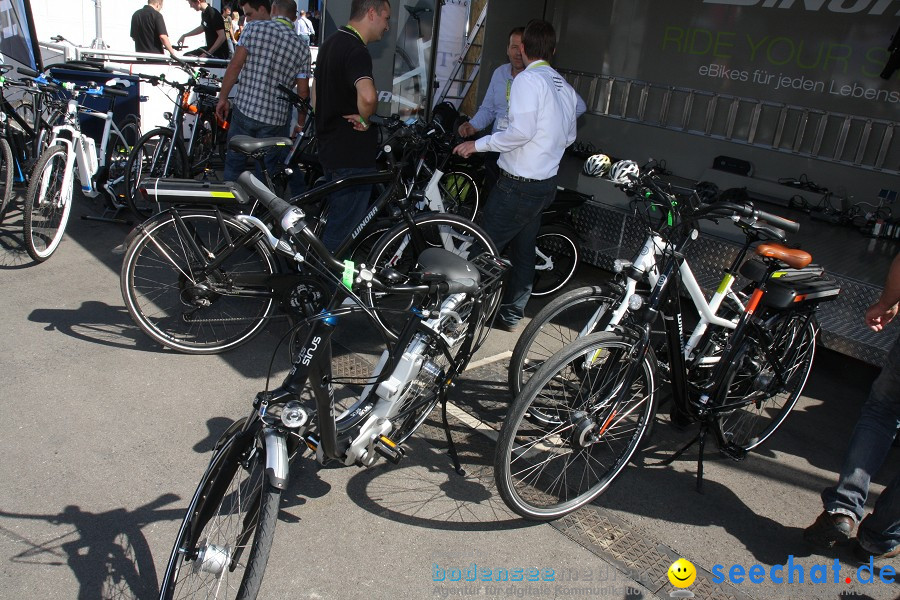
451, 447
699, 438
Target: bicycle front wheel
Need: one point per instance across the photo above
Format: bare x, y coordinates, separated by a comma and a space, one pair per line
178, 301
153, 156
223, 543
597, 417
6, 177
572, 315
556, 260
399, 250
761, 402
47, 204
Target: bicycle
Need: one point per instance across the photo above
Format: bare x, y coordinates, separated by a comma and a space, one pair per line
198, 280
164, 151
48, 200
583, 414
224, 541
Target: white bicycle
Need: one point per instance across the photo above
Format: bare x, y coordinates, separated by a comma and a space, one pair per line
48, 200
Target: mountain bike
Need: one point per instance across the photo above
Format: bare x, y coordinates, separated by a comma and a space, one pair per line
197, 279
48, 200
583, 414
224, 541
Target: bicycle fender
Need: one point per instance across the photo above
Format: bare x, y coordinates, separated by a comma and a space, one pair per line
276, 458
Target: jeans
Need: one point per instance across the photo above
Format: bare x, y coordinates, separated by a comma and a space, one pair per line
241, 124
512, 217
346, 208
870, 445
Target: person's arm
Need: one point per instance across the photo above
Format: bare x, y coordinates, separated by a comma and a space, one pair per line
580, 106
366, 103
883, 312
228, 81
166, 43
523, 113
220, 39
191, 33
304, 92
489, 108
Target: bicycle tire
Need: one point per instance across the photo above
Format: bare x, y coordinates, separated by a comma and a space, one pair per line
147, 159
47, 205
394, 249
545, 471
557, 259
188, 315
556, 326
217, 490
6, 177
118, 150
204, 143
750, 377
460, 194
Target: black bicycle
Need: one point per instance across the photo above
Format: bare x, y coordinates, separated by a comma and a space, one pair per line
584, 412
223, 544
198, 279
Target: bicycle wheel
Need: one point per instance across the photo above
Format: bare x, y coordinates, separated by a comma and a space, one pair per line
557, 259
572, 315
181, 305
151, 157
460, 194
117, 152
397, 249
204, 147
47, 204
6, 177
223, 543
762, 403
546, 470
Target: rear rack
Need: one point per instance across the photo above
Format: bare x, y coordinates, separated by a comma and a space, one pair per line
492, 270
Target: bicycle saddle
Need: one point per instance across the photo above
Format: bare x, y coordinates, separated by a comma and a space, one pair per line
249, 145
437, 264
793, 258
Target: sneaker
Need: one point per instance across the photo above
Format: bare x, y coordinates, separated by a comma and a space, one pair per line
863, 555
504, 326
830, 530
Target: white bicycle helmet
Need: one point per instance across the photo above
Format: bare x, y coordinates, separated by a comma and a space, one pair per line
596, 165
622, 169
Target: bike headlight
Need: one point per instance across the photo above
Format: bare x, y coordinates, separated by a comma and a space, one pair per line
635, 302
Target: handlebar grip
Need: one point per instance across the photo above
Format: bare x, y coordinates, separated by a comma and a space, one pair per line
111, 91
266, 197
27, 72
780, 222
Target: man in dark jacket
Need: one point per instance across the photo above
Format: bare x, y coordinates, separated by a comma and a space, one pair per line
148, 29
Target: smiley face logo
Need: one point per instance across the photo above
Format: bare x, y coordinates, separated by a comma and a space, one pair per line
682, 573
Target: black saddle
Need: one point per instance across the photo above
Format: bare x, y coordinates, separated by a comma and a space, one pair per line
437, 264
250, 145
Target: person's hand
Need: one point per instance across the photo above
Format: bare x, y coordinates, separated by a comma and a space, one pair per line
357, 122
466, 130
180, 41
466, 149
222, 107
878, 316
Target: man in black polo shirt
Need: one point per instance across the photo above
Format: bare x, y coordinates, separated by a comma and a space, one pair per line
212, 25
345, 97
148, 29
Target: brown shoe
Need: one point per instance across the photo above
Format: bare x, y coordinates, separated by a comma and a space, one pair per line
830, 530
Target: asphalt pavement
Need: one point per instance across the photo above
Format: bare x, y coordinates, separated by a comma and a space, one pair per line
104, 436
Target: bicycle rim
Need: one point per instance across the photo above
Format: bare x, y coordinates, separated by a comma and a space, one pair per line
561, 322
750, 382
544, 471
223, 543
459, 193
180, 307
6, 177
47, 205
556, 261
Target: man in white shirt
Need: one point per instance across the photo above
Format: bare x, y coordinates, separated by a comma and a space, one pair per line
543, 108
304, 27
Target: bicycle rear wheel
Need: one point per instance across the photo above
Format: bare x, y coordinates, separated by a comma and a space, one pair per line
153, 156
547, 469
47, 204
556, 326
223, 543
762, 403
460, 195
6, 177
398, 250
181, 304
557, 259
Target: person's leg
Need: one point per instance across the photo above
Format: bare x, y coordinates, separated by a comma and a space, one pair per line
346, 208
235, 162
869, 446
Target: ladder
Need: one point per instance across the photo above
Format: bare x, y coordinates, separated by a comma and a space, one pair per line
467, 66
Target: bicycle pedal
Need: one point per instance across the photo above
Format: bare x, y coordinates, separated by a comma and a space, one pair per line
733, 452
389, 450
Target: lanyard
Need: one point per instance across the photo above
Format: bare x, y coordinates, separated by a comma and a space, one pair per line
508, 87
284, 22
540, 63
358, 34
